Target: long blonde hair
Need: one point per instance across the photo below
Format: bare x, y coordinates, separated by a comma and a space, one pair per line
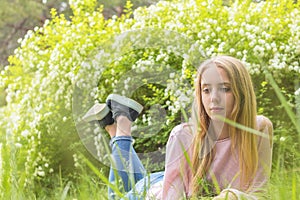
244, 113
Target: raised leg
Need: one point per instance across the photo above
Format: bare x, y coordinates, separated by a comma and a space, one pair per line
126, 165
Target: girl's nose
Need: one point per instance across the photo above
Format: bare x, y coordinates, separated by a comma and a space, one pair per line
214, 96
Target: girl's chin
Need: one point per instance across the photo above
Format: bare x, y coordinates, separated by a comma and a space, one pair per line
217, 117
217, 120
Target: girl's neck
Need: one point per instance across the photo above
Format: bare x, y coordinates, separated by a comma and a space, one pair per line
221, 130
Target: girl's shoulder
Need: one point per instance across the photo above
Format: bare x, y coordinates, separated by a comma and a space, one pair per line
265, 126
182, 129
263, 123
181, 134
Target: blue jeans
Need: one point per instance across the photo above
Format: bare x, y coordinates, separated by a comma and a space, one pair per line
127, 166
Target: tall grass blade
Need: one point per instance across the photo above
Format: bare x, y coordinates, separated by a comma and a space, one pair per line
65, 191
102, 177
283, 101
242, 127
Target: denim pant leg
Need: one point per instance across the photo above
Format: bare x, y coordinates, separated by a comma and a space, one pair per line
142, 186
125, 164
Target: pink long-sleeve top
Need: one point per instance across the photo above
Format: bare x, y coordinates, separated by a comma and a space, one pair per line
224, 168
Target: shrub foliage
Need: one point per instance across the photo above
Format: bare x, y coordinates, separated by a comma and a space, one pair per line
150, 54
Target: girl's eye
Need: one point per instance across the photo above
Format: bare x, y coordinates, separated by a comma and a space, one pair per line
225, 89
206, 90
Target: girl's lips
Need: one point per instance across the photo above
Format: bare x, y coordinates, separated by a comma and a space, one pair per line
216, 109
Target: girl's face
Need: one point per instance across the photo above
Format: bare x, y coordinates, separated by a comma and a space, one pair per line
216, 92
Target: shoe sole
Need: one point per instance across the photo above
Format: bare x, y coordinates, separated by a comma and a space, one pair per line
126, 102
97, 112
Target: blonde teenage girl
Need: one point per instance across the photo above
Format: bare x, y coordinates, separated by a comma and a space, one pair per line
224, 153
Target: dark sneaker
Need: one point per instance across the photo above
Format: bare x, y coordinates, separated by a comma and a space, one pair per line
100, 113
120, 105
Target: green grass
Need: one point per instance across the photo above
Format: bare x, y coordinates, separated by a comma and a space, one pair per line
284, 184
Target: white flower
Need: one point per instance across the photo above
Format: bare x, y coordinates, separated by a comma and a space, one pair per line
282, 139
183, 98
172, 75
25, 133
65, 119
277, 21
241, 31
252, 43
274, 50
18, 145
232, 50
297, 92
41, 173
261, 41
19, 40
36, 28
220, 49
297, 50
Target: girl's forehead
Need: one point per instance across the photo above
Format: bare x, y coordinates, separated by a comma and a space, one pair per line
214, 75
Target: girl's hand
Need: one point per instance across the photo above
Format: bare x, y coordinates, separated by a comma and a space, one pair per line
226, 195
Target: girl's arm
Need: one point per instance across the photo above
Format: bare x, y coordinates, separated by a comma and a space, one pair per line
258, 188
177, 169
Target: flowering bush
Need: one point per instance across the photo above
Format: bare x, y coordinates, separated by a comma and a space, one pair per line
150, 54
